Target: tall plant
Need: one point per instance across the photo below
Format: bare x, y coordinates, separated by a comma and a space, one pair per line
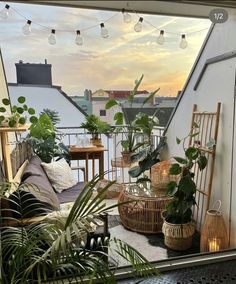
179, 210
57, 250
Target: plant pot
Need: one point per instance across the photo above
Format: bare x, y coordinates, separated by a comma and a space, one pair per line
96, 142
178, 236
126, 157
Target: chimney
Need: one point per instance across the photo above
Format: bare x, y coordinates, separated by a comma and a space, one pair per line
34, 73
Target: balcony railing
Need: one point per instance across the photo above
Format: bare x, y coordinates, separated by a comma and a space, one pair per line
111, 142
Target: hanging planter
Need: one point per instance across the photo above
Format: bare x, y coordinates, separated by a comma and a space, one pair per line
214, 235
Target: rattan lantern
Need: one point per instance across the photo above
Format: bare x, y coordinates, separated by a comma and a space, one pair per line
214, 235
160, 176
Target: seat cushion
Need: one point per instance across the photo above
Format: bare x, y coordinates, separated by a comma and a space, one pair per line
70, 194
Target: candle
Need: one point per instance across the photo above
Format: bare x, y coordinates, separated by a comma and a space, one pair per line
213, 244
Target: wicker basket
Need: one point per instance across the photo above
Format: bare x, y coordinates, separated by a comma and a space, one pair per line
113, 191
178, 236
142, 214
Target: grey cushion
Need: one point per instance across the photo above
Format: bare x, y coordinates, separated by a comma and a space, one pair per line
34, 174
42, 190
70, 194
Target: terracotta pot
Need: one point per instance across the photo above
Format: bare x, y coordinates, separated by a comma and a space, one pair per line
126, 157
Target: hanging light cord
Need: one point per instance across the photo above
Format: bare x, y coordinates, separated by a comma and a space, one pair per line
104, 21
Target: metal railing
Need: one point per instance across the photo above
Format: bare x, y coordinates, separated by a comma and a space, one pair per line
111, 142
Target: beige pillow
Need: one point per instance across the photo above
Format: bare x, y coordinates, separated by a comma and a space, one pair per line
59, 174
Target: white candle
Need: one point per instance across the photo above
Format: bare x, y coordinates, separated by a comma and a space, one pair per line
213, 244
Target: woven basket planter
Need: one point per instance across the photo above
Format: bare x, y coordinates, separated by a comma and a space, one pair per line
178, 236
96, 142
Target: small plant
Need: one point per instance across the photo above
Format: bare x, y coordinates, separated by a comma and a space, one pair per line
179, 210
95, 126
17, 114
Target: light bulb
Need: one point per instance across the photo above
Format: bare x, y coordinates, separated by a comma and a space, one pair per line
5, 12
78, 39
104, 31
52, 38
161, 39
126, 16
183, 43
138, 27
27, 28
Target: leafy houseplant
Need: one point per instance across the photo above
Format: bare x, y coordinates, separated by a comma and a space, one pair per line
141, 126
57, 251
44, 140
178, 215
17, 114
95, 126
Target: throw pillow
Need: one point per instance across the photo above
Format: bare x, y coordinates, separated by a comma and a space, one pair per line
59, 174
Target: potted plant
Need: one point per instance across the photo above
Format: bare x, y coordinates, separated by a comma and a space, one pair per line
178, 227
16, 115
44, 139
135, 128
95, 126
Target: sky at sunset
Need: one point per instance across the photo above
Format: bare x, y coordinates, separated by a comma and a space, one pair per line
111, 63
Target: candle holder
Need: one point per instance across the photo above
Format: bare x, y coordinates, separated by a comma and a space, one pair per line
160, 176
214, 235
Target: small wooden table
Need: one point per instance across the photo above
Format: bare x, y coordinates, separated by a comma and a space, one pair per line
89, 153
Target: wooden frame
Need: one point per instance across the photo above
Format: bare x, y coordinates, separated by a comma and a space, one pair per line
208, 123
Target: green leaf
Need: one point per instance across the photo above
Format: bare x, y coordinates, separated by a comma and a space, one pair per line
2, 109
171, 187
152, 94
181, 160
12, 123
111, 103
33, 119
192, 153
20, 110
194, 134
119, 118
6, 102
195, 125
175, 169
14, 109
21, 100
2, 118
31, 111
178, 140
25, 107
22, 120
202, 162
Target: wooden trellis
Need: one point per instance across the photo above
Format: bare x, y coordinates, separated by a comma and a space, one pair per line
208, 124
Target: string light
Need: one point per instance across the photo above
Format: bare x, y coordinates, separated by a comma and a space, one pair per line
52, 37
104, 31
26, 29
183, 42
138, 27
4, 13
78, 40
161, 39
126, 16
